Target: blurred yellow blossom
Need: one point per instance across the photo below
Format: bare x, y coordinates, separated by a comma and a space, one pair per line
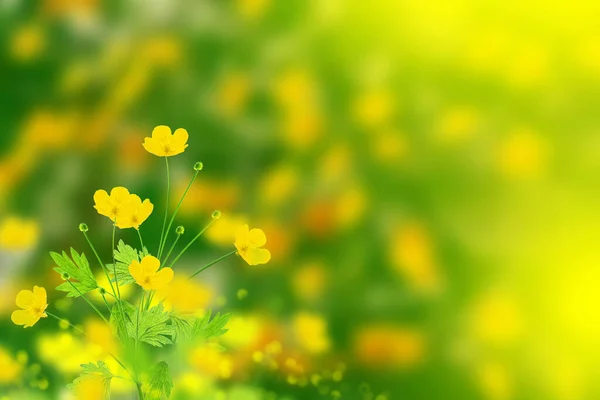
185, 296
33, 305
389, 146
100, 334
495, 318
412, 254
295, 90
495, 381
212, 361
222, 231
207, 195
10, 369
309, 281
385, 345
244, 332
311, 332
18, 234
91, 388
147, 274
232, 94
249, 245
351, 205
522, 154
374, 108
163, 51
63, 351
457, 124
279, 185
164, 144
28, 42
252, 9
301, 128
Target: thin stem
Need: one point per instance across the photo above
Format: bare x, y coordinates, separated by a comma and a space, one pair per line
112, 250
141, 240
192, 242
171, 250
164, 241
139, 389
105, 302
65, 321
160, 244
101, 263
87, 301
210, 264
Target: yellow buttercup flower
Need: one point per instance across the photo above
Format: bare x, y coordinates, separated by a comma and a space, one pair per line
33, 304
147, 274
164, 144
111, 206
18, 234
248, 244
134, 212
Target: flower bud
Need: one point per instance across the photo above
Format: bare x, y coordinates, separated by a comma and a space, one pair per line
83, 227
180, 230
65, 276
102, 291
198, 166
216, 214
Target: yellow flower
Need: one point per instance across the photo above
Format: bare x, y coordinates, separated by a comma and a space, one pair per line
185, 296
10, 369
91, 388
147, 274
33, 305
134, 213
18, 234
111, 206
311, 332
248, 244
164, 144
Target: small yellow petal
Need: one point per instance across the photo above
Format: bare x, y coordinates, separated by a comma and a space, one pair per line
25, 299
257, 256
102, 202
150, 264
180, 138
162, 278
152, 146
40, 298
25, 318
119, 195
257, 238
137, 271
161, 133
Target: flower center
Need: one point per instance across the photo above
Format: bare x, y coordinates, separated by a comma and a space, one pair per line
38, 310
147, 280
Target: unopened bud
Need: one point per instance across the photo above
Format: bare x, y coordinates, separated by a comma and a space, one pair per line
102, 291
83, 227
65, 276
216, 214
198, 166
180, 230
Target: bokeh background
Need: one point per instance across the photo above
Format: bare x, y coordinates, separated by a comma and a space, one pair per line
426, 173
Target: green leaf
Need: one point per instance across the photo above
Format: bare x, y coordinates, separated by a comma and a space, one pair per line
206, 328
120, 316
182, 326
124, 256
78, 270
150, 326
160, 384
94, 371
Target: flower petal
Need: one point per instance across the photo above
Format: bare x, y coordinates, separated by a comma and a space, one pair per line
25, 299
102, 202
152, 146
137, 271
145, 211
257, 256
25, 318
150, 264
162, 278
161, 133
257, 238
241, 235
40, 298
120, 195
180, 138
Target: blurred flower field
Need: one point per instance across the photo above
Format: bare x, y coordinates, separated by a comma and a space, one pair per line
425, 174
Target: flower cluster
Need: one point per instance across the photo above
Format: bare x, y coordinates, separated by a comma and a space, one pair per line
138, 327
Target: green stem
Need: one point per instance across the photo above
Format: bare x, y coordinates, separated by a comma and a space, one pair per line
171, 250
160, 244
141, 240
101, 263
65, 321
139, 389
87, 301
105, 302
210, 264
192, 242
114, 262
164, 241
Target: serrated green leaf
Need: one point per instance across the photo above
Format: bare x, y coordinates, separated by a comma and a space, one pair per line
160, 384
78, 269
206, 328
124, 256
182, 326
97, 371
120, 316
150, 326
